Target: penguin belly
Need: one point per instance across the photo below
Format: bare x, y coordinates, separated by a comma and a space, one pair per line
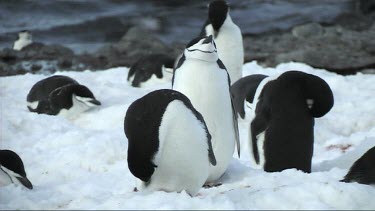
182, 159
206, 85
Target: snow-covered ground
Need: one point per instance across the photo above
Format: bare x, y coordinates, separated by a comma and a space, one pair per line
81, 163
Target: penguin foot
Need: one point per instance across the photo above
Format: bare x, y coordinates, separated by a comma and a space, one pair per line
211, 185
135, 189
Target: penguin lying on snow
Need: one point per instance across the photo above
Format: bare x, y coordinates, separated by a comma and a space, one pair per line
59, 94
243, 89
12, 169
282, 127
147, 66
202, 77
169, 144
363, 170
227, 36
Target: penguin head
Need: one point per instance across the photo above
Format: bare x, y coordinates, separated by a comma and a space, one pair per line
12, 166
148, 66
217, 13
202, 48
70, 95
24, 35
316, 92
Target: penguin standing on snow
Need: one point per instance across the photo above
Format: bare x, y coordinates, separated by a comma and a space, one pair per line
202, 77
227, 36
12, 169
60, 95
244, 89
24, 39
147, 66
363, 170
282, 126
169, 146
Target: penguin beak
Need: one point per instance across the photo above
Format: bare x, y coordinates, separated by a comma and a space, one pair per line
95, 102
208, 39
25, 182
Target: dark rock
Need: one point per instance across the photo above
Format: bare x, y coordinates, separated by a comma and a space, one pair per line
335, 48
64, 63
36, 67
136, 43
307, 30
354, 21
366, 6
8, 56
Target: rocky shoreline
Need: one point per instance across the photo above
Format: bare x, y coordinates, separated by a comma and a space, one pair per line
346, 47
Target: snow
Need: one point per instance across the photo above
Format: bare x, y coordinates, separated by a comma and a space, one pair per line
80, 163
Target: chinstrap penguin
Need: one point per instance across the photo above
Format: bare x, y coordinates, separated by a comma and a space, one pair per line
12, 169
24, 39
227, 36
363, 170
60, 95
147, 66
202, 77
169, 146
244, 89
282, 123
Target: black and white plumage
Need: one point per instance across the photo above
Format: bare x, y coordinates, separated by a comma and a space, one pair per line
147, 66
12, 169
202, 77
227, 36
169, 146
59, 94
282, 126
363, 170
244, 89
24, 39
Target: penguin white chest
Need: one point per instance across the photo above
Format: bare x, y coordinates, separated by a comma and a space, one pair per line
21, 43
206, 85
182, 159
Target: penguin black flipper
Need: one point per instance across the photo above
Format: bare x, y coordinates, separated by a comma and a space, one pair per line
363, 170
235, 125
234, 111
258, 126
199, 116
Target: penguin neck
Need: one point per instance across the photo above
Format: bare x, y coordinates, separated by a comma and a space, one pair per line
228, 20
203, 57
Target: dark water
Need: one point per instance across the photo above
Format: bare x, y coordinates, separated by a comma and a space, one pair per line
85, 25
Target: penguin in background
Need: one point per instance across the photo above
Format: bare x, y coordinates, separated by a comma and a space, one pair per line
363, 170
202, 77
148, 66
60, 95
169, 145
24, 39
227, 36
12, 169
244, 89
282, 123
